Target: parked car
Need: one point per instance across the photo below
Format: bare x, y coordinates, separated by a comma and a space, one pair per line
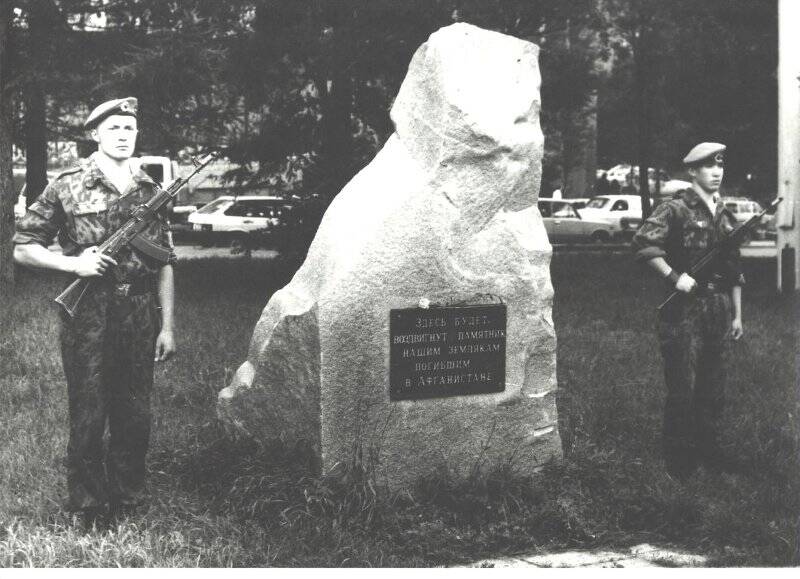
240, 222
629, 226
611, 209
744, 209
565, 224
578, 203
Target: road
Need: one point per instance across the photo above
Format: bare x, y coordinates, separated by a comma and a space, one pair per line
761, 249
188, 252
755, 249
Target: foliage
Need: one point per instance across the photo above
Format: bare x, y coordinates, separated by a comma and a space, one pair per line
711, 68
299, 90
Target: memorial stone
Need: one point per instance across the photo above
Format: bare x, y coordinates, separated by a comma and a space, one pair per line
417, 336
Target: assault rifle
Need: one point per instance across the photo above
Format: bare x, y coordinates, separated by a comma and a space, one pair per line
130, 233
734, 239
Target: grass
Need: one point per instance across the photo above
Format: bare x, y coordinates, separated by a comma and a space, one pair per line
221, 501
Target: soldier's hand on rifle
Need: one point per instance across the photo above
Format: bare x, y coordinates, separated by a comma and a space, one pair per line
685, 283
92, 263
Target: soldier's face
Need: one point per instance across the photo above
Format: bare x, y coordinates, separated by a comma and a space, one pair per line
116, 136
709, 175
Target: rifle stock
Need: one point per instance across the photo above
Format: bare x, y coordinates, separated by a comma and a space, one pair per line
71, 297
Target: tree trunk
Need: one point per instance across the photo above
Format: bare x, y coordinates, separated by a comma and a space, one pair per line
641, 74
579, 148
336, 142
35, 106
7, 193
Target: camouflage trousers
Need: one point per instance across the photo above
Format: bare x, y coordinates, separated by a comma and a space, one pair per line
694, 345
107, 351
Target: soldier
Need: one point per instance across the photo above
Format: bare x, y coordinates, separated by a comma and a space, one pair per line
693, 331
120, 327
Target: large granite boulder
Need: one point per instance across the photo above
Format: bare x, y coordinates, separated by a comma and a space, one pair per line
446, 213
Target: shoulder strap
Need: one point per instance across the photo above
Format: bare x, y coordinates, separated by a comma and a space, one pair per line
70, 171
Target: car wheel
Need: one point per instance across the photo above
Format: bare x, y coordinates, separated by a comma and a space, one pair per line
600, 237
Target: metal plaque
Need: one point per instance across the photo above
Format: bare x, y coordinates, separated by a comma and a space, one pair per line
447, 351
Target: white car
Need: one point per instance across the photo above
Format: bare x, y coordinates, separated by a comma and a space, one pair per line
564, 224
611, 209
577, 202
742, 208
236, 220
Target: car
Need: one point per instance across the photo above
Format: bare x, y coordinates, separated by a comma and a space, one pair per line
239, 221
179, 221
744, 209
565, 224
160, 169
577, 203
180, 213
629, 226
611, 209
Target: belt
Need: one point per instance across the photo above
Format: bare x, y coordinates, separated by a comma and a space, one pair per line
136, 287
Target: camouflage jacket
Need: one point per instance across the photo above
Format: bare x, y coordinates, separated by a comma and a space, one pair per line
682, 229
83, 208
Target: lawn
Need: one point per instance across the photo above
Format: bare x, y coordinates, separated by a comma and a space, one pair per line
220, 501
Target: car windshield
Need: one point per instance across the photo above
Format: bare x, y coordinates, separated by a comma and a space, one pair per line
215, 205
597, 203
255, 208
563, 210
155, 170
545, 209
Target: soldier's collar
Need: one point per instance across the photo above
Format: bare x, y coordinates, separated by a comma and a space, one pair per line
93, 173
693, 199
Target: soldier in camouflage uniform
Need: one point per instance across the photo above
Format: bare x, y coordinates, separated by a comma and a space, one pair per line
694, 330
123, 324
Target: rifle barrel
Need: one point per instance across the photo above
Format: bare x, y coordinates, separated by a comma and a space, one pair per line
73, 294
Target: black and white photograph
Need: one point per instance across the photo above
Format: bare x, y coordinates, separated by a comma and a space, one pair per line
444, 284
